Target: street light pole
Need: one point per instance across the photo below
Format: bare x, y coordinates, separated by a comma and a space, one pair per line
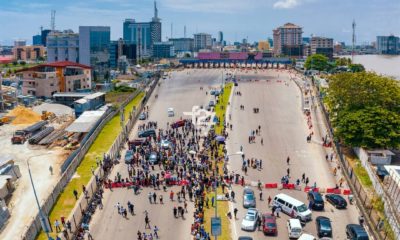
42, 216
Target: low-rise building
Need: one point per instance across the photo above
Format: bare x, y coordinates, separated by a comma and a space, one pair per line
182, 44
46, 79
28, 53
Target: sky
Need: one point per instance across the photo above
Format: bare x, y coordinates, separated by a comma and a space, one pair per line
237, 19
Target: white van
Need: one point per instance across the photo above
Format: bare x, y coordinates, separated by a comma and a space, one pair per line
292, 207
294, 228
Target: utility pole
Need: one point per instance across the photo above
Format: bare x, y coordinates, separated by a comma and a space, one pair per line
353, 40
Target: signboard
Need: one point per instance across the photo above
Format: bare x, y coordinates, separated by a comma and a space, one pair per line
216, 226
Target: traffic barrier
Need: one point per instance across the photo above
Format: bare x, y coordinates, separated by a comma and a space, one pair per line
307, 189
334, 190
288, 186
271, 185
346, 192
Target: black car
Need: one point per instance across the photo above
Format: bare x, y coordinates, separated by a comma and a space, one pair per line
317, 202
245, 238
336, 200
324, 227
356, 232
147, 133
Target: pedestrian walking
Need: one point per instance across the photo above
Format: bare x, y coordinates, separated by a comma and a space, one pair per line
269, 200
262, 141
161, 199
233, 196
303, 177
175, 211
288, 171
51, 170
171, 195
235, 212
147, 221
155, 197
212, 201
155, 230
57, 225
75, 194
278, 210
288, 160
261, 195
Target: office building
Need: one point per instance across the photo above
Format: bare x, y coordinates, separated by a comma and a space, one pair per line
182, 44
221, 38
271, 42
44, 34
306, 40
63, 46
322, 45
288, 40
19, 43
121, 48
29, 53
37, 40
143, 34
388, 44
202, 41
46, 79
94, 42
163, 50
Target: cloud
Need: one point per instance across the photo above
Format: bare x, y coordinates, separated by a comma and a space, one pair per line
285, 4
213, 6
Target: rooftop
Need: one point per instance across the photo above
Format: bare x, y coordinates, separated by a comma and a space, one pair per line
62, 64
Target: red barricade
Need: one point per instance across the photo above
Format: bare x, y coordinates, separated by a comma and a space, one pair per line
346, 191
315, 189
334, 190
271, 185
288, 186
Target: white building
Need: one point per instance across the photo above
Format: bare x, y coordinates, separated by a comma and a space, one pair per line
202, 41
63, 46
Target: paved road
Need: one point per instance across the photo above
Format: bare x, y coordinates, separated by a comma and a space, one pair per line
284, 130
180, 92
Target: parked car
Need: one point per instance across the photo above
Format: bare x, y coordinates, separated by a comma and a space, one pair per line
211, 103
317, 202
138, 142
212, 92
129, 156
324, 227
306, 236
249, 199
153, 158
249, 222
356, 232
294, 228
165, 144
336, 200
142, 116
171, 112
269, 224
147, 133
245, 238
178, 124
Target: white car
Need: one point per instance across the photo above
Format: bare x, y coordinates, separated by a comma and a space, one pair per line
306, 236
170, 112
249, 222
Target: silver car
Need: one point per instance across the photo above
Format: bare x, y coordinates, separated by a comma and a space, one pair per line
249, 222
249, 199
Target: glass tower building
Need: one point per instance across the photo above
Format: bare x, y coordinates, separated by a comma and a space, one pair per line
94, 44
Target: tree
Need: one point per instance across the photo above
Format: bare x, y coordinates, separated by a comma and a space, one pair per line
23, 63
15, 63
365, 109
356, 68
343, 61
317, 62
187, 55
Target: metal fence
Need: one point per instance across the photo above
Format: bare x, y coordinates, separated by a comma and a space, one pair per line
365, 201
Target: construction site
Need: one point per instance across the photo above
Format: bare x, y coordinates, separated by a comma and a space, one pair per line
36, 135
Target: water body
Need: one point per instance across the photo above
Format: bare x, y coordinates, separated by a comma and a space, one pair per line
382, 64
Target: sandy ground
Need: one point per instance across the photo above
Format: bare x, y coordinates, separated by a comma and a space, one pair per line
22, 205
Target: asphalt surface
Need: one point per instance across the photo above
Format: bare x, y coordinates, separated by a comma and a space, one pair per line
283, 129
181, 92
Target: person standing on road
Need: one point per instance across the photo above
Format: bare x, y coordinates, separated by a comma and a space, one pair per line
147, 222
288, 160
261, 195
171, 195
155, 230
269, 200
150, 195
235, 212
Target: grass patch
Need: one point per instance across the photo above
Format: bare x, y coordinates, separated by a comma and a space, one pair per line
66, 200
223, 206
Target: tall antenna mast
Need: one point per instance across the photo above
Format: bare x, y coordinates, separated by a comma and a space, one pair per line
53, 20
172, 28
353, 40
184, 31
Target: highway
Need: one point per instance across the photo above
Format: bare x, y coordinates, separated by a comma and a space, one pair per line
283, 129
181, 92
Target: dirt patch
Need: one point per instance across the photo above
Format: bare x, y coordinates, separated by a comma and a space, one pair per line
24, 115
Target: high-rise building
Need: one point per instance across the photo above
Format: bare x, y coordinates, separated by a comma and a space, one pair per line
36, 40
322, 45
29, 53
163, 50
388, 44
220, 37
94, 44
143, 34
288, 40
63, 46
202, 41
44, 34
182, 44
121, 48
